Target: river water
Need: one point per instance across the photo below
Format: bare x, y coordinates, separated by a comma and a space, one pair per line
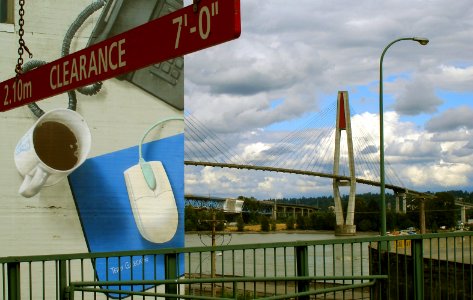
195, 239
323, 260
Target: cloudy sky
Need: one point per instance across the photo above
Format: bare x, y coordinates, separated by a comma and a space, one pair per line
293, 57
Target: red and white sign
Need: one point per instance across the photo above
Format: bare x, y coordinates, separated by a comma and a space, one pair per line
181, 32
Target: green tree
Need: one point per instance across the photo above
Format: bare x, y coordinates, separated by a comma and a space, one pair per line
265, 224
240, 223
303, 222
391, 221
373, 211
191, 219
364, 225
325, 220
253, 208
300, 222
220, 217
404, 221
203, 217
273, 224
440, 210
290, 223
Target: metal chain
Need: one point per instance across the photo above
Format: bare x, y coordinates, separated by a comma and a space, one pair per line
196, 5
21, 41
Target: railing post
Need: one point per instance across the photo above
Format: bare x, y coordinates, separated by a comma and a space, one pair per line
302, 268
62, 280
379, 265
170, 271
417, 254
13, 272
70, 292
384, 269
235, 290
3, 11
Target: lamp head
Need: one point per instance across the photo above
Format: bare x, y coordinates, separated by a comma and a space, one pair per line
420, 40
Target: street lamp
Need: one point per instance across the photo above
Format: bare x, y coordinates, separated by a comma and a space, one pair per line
422, 41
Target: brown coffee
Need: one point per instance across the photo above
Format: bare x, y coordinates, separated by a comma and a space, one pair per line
56, 145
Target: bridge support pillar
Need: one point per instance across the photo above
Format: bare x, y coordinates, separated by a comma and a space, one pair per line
463, 214
404, 202
275, 211
345, 226
422, 215
345, 230
397, 204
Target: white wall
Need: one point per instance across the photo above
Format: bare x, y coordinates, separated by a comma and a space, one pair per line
118, 116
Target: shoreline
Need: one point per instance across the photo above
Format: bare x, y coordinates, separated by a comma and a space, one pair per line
263, 232
294, 231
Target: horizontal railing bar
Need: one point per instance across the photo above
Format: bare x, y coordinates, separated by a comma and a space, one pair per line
75, 288
224, 280
287, 296
110, 291
322, 291
184, 250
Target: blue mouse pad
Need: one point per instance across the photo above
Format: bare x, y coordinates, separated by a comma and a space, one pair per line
107, 220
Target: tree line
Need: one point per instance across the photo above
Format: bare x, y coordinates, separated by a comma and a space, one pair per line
440, 212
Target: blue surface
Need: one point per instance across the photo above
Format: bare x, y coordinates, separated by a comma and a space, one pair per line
101, 198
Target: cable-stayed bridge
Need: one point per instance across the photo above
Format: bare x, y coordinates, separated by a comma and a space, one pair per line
330, 144
396, 188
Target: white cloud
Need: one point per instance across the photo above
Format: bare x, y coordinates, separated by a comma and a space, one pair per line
417, 97
296, 54
254, 151
454, 77
443, 175
455, 118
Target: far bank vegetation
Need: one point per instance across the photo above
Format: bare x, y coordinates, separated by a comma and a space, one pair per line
440, 213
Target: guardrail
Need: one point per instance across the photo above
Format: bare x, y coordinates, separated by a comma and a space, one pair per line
429, 266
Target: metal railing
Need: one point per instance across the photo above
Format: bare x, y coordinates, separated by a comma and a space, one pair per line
430, 266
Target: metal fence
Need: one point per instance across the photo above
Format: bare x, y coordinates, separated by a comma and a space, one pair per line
430, 266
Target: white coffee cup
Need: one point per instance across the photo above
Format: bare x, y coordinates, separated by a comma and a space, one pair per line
51, 149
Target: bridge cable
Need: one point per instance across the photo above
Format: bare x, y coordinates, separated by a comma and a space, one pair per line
215, 141
393, 176
325, 139
316, 135
369, 159
196, 128
362, 159
297, 140
289, 142
195, 143
192, 147
203, 151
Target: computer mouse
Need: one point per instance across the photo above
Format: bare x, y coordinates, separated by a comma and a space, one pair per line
154, 210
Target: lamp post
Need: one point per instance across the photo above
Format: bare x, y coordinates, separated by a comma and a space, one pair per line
422, 41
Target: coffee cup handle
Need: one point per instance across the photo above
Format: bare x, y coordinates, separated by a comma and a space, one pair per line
33, 182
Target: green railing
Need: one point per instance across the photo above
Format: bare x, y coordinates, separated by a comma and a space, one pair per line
430, 266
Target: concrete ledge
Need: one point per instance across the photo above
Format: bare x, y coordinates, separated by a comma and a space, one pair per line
4, 27
345, 230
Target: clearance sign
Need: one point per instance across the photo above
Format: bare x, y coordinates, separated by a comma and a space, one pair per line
109, 58
184, 31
